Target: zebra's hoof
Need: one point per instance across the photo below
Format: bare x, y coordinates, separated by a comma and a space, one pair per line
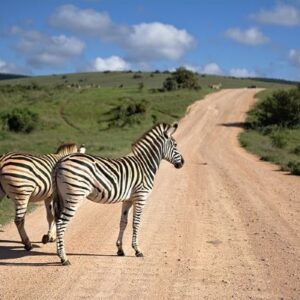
120, 253
65, 262
28, 247
139, 254
45, 239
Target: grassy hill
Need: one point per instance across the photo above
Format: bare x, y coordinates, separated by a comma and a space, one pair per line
80, 107
130, 79
5, 76
105, 111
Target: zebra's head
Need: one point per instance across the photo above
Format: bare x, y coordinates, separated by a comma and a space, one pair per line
69, 148
170, 151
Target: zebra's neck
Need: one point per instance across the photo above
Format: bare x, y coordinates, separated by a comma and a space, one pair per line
149, 152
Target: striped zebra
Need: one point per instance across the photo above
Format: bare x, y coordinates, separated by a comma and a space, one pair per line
24, 178
128, 179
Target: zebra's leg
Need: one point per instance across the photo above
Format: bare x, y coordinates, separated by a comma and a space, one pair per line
126, 206
51, 235
137, 212
68, 211
21, 209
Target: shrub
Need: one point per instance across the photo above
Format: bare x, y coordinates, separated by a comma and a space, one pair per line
170, 84
278, 139
141, 86
136, 76
294, 167
297, 150
281, 109
20, 120
127, 114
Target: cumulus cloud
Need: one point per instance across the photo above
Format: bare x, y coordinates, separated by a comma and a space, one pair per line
6, 67
294, 56
85, 21
142, 42
113, 63
42, 50
251, 36
188, 67
150, 41
212, 69
242, 72
282, 14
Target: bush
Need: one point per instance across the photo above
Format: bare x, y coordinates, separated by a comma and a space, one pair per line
127, 114
294, 167
170, 84
281, 109
185, 78
136, 76
278, 139
20, 120
297, 150
141, 86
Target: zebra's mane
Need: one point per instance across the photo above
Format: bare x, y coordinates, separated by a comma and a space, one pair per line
162, 127
67, 147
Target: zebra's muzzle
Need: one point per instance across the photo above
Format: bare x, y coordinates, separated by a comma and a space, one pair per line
179, 164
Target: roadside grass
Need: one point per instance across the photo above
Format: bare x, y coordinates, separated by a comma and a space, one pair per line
278, 145
7, 210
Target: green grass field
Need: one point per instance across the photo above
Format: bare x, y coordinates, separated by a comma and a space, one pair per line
78, 107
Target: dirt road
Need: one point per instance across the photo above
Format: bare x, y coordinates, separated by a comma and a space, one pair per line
224, 226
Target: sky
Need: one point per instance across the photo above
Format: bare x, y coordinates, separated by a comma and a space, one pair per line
233, 37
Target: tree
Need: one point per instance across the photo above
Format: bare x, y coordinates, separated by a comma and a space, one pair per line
185, 78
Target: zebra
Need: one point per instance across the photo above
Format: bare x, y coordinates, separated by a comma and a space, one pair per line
128, 179
24, 178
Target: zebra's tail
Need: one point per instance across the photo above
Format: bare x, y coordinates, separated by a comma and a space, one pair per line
58, 203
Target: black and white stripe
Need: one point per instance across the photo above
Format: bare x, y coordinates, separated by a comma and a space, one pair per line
24, 178
128, 179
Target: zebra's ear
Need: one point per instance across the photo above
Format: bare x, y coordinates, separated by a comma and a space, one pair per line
171, 130
82, 149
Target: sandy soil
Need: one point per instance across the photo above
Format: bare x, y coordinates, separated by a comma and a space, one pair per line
224, 226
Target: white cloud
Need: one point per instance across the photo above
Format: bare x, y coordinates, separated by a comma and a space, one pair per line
149, 41
294, 56
113, 63
42, 50
282, 14
142, 42
188, 67
251, 36
242, 72
85, 21
212, 69
6, 67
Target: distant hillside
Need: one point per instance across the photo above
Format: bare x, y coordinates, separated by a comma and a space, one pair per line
132, 79
4, 76
274, 80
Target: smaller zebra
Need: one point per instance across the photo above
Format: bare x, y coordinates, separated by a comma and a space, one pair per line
26, 177
128, 179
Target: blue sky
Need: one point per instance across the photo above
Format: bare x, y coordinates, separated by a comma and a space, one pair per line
233, 37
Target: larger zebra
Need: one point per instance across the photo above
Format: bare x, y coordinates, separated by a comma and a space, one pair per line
128, 179
24, 178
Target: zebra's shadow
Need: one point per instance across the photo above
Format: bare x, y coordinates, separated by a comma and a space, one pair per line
16, 251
